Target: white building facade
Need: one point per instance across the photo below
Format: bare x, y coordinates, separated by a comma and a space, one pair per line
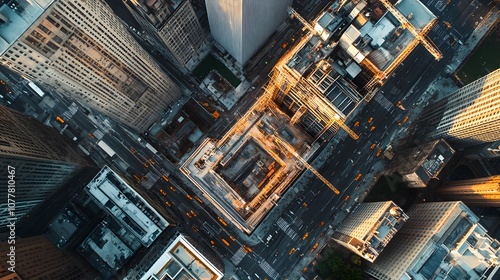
243, 26
469, 115
180, 260
370, 228
82, 50
440, 240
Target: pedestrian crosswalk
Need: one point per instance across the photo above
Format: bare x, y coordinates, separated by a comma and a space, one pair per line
238, 256
292, 234
268, 269
298, 222
386, 104
285, 226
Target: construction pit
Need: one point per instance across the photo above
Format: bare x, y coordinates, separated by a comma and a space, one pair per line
244, 175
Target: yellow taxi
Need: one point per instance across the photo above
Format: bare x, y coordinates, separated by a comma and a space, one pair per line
358, 177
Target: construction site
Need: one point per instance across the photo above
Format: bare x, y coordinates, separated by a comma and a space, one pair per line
347, 52
350, 50
246, 173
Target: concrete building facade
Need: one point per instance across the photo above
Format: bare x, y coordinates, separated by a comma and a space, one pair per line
466, 117
370, 228
81, 49
483, 192
42, 161
174, 29
440, 240
242, 26
38, 258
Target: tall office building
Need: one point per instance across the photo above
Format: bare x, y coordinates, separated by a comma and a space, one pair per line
243, 26
440, 240
483, 151
370, 228
467, 116
483, 192
37, 258
174, 28
82, 50
42, 159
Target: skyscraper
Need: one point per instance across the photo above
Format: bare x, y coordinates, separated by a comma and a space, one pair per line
440, 240
37, 258
467, 116
483, 151
370, 228
42, 159
175, 30
483, 192
243, 26
82, 50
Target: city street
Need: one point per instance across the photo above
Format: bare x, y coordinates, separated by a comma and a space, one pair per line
244, 136
287, 242
297, 229
316, 204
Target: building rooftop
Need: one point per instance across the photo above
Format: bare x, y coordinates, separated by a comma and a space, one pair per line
181, 260
449, 244
62, 227
356, 34
370, 228
16, 17
418, 165
416, 12
134, 213
104, 250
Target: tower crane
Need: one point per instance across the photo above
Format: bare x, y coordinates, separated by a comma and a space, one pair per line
291, 150
405, 23
338, 121
340, 5
294, 14
270, 88
303, 108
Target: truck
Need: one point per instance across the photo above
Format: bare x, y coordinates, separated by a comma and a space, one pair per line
389, 153
84, 150
121, 164
151, 148
105, 147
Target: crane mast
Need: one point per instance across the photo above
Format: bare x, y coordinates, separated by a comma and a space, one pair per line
291, 150
294, 14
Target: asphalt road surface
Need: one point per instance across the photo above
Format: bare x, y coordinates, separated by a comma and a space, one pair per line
294, 235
